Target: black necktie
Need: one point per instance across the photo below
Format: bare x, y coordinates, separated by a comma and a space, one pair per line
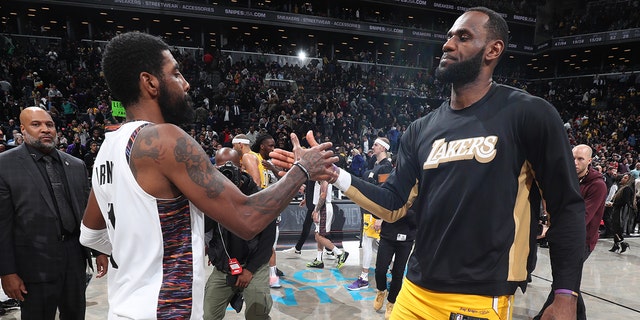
64, 209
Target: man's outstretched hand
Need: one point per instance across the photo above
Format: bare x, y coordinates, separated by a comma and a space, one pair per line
317, 159
563, 308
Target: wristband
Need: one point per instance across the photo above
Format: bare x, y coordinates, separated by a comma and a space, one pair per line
565, 291
306, 172
337, 173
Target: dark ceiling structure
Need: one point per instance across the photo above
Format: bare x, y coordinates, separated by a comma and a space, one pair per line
397, 32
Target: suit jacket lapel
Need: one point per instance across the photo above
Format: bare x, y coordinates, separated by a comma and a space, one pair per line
30, 168
73, 184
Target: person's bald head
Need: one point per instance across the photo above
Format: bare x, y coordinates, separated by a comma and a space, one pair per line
227, 154
38, 129
30, 112
584, 149
582, 154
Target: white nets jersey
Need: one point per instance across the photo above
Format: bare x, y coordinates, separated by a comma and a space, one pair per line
157, 261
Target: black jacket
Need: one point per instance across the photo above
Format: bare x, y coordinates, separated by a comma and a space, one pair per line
250, 254
30, 231
382, 167
402, 230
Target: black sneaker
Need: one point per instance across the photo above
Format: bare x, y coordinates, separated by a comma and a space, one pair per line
316, 264
342, 258
10, 304
279, 272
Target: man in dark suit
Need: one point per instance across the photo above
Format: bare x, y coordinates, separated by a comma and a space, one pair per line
43, 193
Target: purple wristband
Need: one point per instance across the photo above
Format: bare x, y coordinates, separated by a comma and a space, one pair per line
565, 291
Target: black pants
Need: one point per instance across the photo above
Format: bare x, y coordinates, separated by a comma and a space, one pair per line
386, 250
616, 224
608, 222
581, 308
66, 293
306, 228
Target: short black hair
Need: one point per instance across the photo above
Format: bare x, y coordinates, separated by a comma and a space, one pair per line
125, 57
496, 26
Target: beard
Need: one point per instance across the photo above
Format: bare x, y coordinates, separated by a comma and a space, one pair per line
175, 110
461, 72
44, 147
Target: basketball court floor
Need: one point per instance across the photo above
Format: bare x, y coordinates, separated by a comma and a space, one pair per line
610, 285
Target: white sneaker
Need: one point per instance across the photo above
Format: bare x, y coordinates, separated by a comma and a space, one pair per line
329, 255
292, 250
274, 282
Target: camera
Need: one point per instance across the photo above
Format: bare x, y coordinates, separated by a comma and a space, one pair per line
232, 172
231, 280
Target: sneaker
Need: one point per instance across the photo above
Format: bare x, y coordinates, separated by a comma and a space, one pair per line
316, 264
358, 284
330, 255
274, 282
387, 313
342, 258
377, 303
292, 250
279, 272
10, 304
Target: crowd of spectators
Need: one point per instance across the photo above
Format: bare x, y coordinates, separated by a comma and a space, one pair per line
596, 16
363, 11
347, 105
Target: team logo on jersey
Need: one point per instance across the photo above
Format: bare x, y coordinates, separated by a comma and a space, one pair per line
483, 149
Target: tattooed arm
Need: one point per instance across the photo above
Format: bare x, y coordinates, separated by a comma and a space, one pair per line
322, 199
167, 162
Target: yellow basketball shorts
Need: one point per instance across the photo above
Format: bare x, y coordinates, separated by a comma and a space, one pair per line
414, 302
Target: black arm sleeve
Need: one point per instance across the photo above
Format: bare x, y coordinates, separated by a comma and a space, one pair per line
552, 162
